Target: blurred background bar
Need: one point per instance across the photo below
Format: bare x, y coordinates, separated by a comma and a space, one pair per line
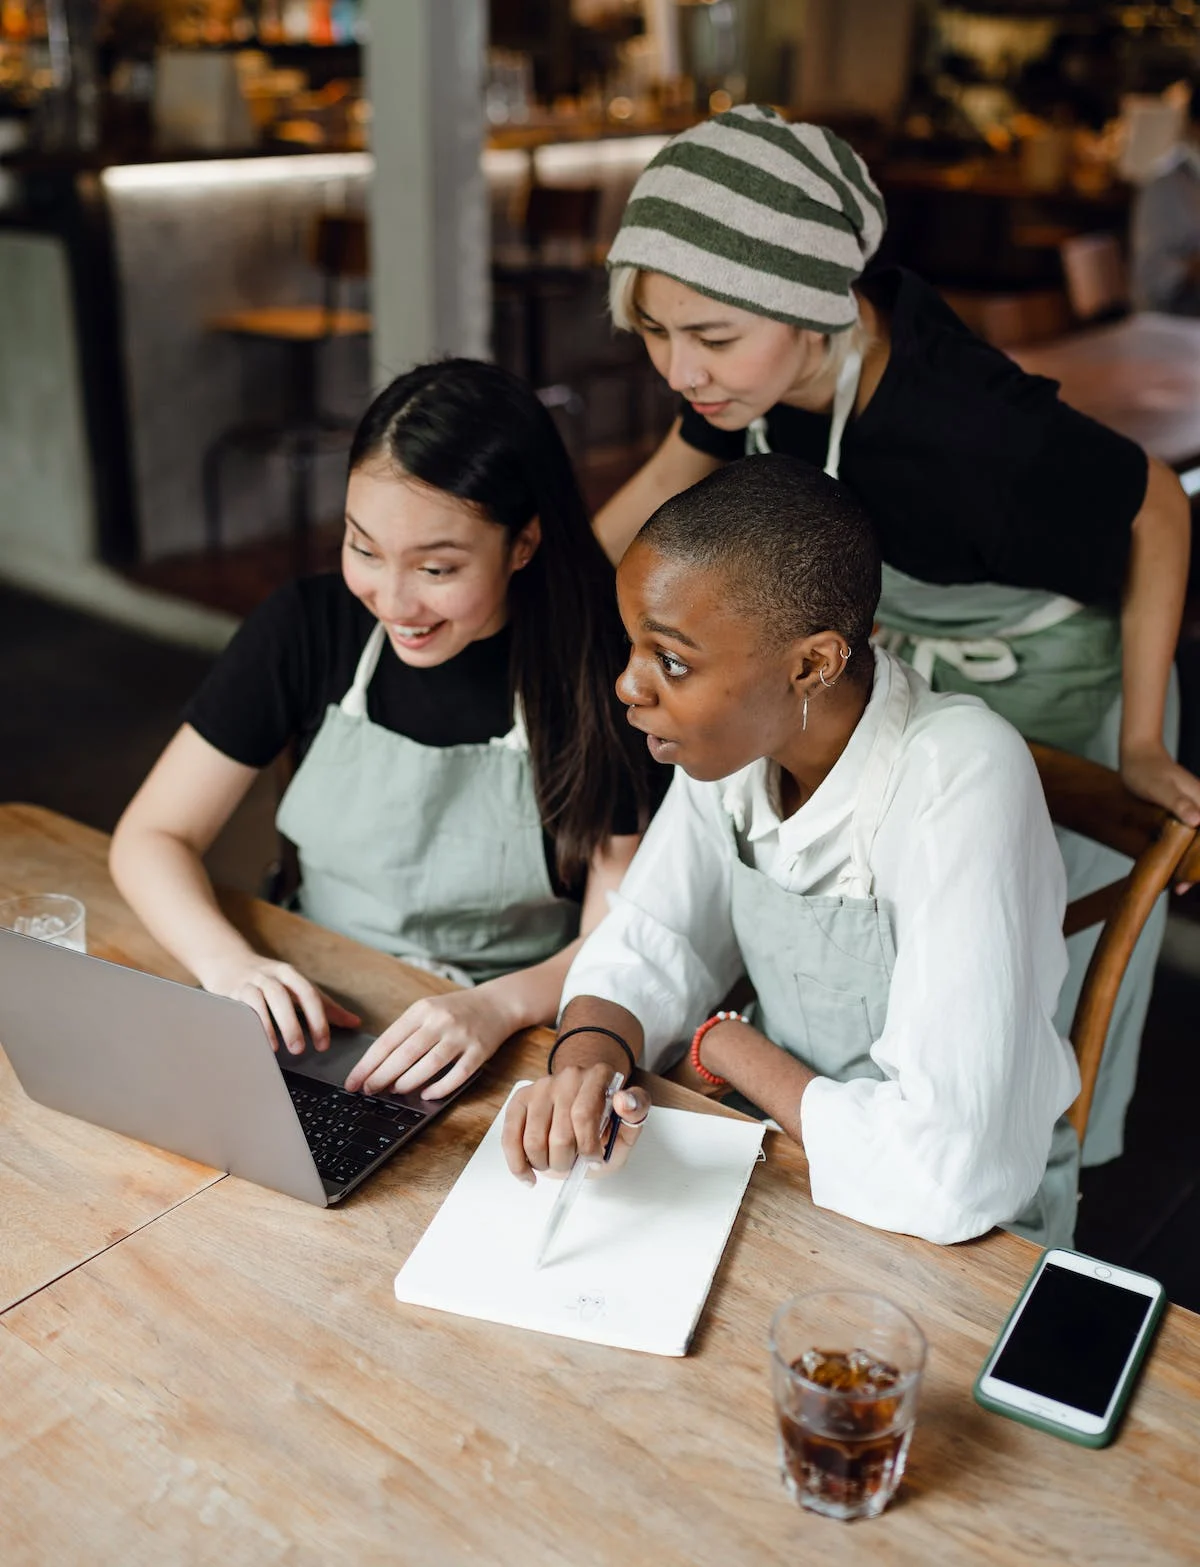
183, 352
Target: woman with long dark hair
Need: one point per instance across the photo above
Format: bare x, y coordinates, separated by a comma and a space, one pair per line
467, 789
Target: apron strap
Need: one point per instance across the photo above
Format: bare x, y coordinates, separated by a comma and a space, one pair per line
849, 375
872, 792
981, 659
1052, 613
517, 738
843, 403
757, 444
354, 703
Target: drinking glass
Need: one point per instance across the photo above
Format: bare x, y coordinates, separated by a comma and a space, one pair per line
846, 1371
53, 916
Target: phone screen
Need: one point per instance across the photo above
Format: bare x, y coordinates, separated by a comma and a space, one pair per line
1073, 1338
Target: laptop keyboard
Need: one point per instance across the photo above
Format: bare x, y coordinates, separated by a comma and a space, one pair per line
347, 1132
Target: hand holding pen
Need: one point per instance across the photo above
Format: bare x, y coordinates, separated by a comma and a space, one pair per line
557, 1119
569, 1190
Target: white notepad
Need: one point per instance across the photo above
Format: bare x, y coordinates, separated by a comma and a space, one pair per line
633, 1263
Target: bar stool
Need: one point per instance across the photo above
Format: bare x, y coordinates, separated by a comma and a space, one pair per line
339, 252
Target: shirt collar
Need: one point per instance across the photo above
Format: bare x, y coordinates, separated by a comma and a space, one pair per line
751, 797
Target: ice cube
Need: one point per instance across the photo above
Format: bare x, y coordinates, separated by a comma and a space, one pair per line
46, 926
832, 1370
810, 1362
881, 1377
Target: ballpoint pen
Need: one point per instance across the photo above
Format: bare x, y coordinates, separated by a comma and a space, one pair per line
573, 1183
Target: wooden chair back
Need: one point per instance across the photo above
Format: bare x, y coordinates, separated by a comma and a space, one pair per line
1092, 800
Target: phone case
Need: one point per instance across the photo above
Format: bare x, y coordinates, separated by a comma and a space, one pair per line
1039, 1422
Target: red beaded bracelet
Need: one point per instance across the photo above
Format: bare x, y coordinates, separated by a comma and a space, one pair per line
701, 1070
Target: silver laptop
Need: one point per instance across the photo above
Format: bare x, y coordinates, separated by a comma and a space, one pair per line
194, 1073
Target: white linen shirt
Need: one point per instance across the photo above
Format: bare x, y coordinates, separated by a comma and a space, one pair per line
956, 1136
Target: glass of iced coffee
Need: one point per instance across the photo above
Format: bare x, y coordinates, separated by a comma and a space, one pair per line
846, 1371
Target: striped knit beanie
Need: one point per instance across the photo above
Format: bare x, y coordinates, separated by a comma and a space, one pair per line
745, 208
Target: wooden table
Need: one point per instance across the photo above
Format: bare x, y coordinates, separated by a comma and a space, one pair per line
1140, 375
69, 1190
235, 1382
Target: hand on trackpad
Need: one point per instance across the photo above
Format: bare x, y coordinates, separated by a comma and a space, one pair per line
346, 1047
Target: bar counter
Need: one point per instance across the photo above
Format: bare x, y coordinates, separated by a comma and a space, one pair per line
114, 269
113, 266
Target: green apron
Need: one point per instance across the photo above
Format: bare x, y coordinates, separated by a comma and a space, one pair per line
821, 969
432, 853
1053, 669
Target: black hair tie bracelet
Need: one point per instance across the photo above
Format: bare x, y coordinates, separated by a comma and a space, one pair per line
590, 1029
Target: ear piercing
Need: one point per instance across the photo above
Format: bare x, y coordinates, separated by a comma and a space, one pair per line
829, 684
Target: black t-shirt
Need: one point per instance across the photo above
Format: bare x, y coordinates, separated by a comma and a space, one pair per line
297, 653
972, 470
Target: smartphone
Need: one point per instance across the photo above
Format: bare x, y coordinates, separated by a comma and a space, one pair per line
1068, 1355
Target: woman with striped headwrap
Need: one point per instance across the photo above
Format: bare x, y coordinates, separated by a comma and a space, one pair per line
1032, 557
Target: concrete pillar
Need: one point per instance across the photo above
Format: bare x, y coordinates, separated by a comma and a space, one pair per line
429, 214
662, 24
47, 521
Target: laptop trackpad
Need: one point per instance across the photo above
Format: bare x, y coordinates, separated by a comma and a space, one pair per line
347, 1046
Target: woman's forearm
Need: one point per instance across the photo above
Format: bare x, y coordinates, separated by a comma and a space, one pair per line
587, 1048
759, 1070
530, 996
1155, 586
675, 466
164, 881
158, 847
